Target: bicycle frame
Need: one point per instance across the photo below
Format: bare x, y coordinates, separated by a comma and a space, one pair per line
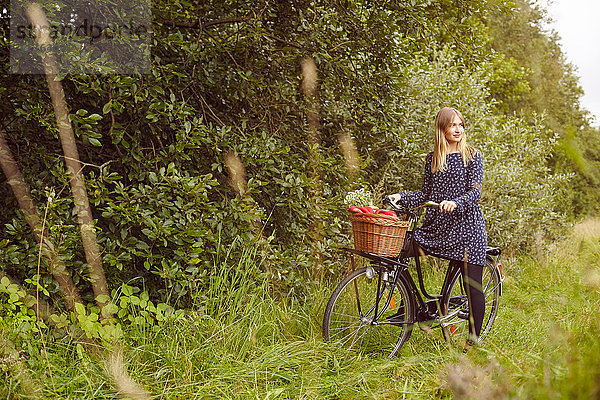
366, 312
426, 309
397, 269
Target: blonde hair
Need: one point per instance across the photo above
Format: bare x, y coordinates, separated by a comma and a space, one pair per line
440, 148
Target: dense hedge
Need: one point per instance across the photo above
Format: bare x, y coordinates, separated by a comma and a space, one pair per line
155, 146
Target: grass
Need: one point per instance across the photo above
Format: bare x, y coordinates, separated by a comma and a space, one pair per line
544, 345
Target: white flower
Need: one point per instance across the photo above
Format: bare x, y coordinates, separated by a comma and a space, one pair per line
359, 198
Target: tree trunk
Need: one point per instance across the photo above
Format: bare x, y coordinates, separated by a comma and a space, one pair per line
21, 192
82, 206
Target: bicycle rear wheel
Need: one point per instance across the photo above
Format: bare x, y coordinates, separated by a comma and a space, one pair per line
455, 305
368, 313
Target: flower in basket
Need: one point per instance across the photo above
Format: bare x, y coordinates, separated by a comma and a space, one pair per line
359, 198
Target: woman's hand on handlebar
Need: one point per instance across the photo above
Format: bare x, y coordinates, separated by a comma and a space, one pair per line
444, 206
447, 206
395, 198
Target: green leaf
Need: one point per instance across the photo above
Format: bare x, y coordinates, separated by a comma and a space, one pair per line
5, 282
79, 309
127, 290
103, 298
80, 351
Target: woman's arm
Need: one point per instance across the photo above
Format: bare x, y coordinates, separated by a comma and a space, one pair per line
474, 184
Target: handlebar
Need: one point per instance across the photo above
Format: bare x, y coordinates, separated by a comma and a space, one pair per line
390, 201
430, 204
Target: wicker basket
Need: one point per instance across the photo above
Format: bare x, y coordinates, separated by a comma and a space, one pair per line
378, 234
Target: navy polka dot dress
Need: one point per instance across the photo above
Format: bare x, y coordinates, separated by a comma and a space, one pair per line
458, 234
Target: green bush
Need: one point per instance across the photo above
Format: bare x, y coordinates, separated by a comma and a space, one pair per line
154, 145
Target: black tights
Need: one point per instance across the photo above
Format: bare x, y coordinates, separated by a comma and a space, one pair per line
472, 285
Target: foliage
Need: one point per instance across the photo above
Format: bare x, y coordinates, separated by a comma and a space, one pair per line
523, 199
14, 303
554, 87
226, 79
553, 94
578, 150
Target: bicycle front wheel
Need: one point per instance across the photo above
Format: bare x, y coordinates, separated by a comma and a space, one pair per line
455, 305
368, 313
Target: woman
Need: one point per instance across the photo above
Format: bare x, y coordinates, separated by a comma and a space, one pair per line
453, 178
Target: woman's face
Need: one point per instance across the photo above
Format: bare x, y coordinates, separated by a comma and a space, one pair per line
454, 131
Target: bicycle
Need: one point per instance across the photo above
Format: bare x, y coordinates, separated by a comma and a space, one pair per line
375, 308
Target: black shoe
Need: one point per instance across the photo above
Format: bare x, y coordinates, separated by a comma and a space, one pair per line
470, 344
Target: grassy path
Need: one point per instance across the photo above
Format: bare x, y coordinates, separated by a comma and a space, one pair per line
544, 345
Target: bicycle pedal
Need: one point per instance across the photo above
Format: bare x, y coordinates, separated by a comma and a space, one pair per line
424, 315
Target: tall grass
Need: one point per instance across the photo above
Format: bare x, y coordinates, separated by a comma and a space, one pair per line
546, 341
242, 342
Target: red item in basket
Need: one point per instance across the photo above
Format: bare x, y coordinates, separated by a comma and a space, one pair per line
368, 210
386, 212
355, 209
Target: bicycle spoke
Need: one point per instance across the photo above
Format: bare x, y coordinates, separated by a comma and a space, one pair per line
359, 338
347, 328
344, 315
377, 327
